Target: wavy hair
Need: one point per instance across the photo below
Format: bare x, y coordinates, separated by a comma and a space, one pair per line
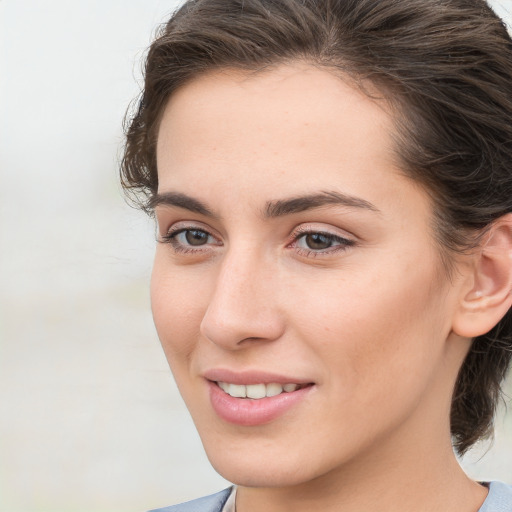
445, 66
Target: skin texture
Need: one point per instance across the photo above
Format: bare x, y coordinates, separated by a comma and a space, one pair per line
369, 322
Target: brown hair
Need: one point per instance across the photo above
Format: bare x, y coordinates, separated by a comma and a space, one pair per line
446, 68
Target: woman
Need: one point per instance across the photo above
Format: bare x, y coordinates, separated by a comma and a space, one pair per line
332, 183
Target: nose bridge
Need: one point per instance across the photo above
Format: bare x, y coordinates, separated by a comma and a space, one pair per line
243, 305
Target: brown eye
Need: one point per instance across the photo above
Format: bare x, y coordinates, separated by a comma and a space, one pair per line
318, 241
196, 237
189, 238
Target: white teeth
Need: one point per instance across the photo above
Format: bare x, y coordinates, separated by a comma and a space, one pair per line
256, 391
274, 389
237, 390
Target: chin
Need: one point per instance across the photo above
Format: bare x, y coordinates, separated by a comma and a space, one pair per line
260, 474
269, 464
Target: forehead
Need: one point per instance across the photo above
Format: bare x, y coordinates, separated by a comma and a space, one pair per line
297, 128
303, 98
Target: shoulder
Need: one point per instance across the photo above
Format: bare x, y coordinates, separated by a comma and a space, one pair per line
213, 503
499, 498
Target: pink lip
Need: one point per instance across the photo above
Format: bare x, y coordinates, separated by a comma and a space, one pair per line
248, 412
250, 377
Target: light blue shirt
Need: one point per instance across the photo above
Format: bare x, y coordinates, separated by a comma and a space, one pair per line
499, 499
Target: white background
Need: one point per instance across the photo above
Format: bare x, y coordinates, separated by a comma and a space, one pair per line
90, 419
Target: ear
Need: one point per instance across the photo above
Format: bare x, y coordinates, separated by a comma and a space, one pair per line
490, 294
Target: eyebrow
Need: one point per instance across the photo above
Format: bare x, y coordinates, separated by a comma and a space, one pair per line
181, 201
299, 204
273, 209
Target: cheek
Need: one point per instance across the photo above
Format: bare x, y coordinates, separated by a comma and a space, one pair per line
178, 306
378, 332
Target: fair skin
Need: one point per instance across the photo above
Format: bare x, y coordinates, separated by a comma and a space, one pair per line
343, 293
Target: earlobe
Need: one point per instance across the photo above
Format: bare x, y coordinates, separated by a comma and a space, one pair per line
490, 296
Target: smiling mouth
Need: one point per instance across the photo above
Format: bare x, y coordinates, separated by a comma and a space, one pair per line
258, 391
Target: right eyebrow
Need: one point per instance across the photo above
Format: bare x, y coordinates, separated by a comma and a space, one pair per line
181, 201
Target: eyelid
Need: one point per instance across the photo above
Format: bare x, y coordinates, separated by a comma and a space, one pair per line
304, 229
183, 225
169, 235
344, 241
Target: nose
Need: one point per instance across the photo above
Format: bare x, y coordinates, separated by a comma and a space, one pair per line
244, 305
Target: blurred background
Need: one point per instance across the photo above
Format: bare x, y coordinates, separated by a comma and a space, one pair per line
90, 419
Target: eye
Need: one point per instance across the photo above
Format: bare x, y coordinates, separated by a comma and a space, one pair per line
189, 239
312, 243
192, 237
317, 241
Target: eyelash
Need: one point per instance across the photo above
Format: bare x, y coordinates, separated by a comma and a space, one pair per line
170, 238
300, 233
303, 232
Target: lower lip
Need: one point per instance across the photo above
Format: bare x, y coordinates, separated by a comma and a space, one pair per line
247, 412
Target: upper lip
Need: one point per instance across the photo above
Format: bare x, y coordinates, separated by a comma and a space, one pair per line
251, 377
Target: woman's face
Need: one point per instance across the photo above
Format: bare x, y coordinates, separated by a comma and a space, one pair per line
293, 252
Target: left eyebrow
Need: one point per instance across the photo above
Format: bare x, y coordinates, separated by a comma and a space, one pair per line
299, 204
